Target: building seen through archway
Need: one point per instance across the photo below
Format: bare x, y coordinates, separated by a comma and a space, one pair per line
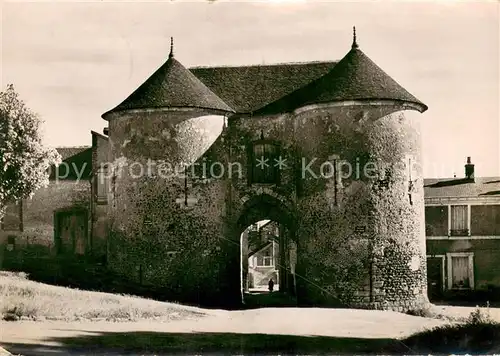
267, 254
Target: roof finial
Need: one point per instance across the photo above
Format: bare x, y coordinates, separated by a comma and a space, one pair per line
171, 55
354, 43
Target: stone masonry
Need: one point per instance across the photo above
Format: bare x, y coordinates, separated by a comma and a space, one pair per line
349, 194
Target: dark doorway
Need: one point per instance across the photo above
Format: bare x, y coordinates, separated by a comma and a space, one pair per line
435, 278
71, 232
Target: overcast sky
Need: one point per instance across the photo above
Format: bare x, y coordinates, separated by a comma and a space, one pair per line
73, 61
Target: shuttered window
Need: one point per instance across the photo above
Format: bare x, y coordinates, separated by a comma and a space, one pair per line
263, 167
102, 184
459, 220
460, 272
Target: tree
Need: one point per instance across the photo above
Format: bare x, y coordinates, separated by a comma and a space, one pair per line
24, 161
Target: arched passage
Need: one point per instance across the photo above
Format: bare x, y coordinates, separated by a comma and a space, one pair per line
268, 251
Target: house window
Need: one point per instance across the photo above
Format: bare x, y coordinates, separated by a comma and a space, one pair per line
265, 258
102, 184
263, 165
459, 220
460, 270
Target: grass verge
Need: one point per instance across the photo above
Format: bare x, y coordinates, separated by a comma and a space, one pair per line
21, 298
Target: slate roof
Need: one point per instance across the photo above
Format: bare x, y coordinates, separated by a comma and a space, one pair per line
66, 152
354, 77
173, 86
462, 187
267, 89
78, 160
248, 88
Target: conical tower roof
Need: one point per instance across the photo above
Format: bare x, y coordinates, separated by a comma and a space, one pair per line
172, 86
354, 77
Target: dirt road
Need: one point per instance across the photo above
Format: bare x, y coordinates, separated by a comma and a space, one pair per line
281, 330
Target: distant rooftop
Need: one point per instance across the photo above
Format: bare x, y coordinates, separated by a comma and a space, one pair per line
78, 160
462, 187
67, 152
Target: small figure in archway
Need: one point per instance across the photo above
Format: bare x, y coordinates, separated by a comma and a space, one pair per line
271, 285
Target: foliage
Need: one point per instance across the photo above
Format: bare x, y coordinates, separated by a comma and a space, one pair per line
479, 316
24, 161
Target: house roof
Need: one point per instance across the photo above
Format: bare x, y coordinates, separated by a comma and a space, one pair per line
354, 77
66, 152
260, 248
462, 187
172, 86
76, 163
248, 88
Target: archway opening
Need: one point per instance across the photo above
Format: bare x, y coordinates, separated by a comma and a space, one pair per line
268, 254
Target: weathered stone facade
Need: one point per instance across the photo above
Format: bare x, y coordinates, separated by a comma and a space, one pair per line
38, 212
98, 207
360, 235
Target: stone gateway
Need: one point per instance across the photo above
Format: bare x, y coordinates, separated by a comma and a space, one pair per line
323, 149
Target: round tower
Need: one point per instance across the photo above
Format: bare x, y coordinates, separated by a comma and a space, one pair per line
360, 192
158, 131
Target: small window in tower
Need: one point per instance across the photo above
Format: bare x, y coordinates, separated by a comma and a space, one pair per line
263, 163
102, 183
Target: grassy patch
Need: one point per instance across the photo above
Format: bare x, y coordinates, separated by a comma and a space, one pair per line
20, 297
456, 339
477, 334
430, 311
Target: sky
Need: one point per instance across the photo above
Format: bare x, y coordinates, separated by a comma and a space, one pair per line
72, 61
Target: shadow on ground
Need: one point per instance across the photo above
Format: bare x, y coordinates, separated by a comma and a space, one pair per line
266, 299
145, 343
454, 339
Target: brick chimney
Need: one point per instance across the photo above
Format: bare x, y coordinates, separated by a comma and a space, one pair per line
469, 170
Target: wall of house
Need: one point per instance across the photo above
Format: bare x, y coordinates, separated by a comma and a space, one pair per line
485, 220
486, 257
261, 276
38, 211
436, 220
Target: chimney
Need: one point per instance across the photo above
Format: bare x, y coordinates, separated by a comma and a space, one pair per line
469, 170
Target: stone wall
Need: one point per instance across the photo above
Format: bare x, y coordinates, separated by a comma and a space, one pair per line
99, 214
344, 225
360, 237
167, 231
366, 225
38, 211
